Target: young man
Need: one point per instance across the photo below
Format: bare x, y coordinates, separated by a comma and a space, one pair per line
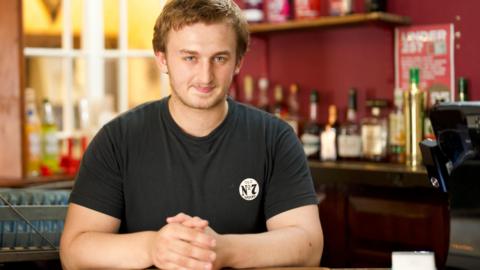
195, 180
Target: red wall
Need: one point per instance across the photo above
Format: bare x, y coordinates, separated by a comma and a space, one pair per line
335, 58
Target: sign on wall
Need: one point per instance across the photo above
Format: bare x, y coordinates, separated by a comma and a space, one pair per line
430, 48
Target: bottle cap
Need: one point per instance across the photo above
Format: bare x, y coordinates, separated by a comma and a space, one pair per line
352, 98
314, 96
263, 83
462, 89
414, 75
293, 88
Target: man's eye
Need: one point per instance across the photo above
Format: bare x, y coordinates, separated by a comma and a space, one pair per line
220, 59
189, 58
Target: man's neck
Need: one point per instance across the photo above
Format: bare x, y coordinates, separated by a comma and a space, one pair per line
197, 122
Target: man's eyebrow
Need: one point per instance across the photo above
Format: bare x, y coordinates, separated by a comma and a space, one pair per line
223, 53
183, 51
190, 52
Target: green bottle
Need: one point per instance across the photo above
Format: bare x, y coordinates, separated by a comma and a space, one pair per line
50, 143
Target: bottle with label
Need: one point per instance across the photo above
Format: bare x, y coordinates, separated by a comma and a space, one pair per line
397, 129
462, 89
349, 140
311, 133
328, 137
307, 9
293, 117
253, 10
279, 108
413, 100
278, 10
50, 143
263, 103
340, 7
248, 90
33, 131
374, 132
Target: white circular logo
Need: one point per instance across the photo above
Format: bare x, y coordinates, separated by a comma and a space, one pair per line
249, 189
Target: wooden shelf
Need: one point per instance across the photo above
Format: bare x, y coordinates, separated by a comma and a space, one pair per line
357, 18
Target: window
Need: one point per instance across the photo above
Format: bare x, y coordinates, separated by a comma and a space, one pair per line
91, 58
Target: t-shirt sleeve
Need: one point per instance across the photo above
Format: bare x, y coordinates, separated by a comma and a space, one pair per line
291, 184
98, 185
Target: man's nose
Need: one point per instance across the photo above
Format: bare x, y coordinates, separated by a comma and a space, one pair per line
206, 72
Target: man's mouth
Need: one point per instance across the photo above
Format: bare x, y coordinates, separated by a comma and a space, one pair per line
204, 89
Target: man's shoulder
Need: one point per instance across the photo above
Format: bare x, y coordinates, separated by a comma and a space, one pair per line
257, 117
138, 115
133, 121
143, 111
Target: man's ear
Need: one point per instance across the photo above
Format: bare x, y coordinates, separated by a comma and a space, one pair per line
161, 60
238, 65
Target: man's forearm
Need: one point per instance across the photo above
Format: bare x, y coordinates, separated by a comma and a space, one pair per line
290, 246
106, 250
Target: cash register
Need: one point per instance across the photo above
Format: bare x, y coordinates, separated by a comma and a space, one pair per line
453, 165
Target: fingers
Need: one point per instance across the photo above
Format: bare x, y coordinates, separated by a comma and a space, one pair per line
188, 250
191, 235
178, 218
176, 246
192, 222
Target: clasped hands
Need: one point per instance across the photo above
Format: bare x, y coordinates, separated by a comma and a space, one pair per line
185, 243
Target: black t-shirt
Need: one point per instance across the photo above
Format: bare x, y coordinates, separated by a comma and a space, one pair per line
142, 168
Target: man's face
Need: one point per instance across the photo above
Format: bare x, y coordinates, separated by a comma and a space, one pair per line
201, 61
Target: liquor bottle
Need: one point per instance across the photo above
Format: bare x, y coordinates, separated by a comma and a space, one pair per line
349, 140
293, 118
311, 134
340, 7
413, 101
397, 129
248, 90
50, 143
462, 89
263, 103
328, 137
33, 134
253, 10
279, 108
307, 9
374, 132
278, 10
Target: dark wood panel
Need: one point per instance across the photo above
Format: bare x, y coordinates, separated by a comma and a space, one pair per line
369, 210
383, 225
11, 105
